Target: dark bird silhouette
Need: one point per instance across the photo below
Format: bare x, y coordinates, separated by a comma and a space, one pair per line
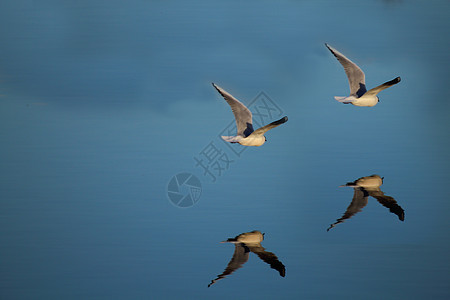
244, 244
363, 188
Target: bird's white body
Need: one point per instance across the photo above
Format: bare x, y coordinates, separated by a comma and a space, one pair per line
367, 182
364, 100
252, 237
246, 141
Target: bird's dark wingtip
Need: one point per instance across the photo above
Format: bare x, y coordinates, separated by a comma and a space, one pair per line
280, 121
331, 49
393, 81
217, 89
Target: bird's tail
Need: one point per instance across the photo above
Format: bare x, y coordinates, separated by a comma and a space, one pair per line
350, 184
345, 100
231, 139
230, 240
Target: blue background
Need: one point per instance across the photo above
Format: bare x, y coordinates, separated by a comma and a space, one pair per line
103, 102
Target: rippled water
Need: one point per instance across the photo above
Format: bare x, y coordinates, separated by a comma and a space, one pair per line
104, 104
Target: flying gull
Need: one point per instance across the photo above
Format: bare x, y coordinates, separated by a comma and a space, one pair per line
359, 96
245, 135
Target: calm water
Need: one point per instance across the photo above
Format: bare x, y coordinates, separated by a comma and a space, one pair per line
103, 103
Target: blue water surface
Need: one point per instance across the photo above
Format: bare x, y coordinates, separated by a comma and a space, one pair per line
104, 102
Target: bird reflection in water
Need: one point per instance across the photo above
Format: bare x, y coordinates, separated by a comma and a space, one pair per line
244, 244
363, 188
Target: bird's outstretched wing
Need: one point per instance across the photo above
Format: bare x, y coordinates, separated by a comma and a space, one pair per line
241, 113
388, 202
355, 75
240, 257
264, 129
359, 201
268, 258
384, 86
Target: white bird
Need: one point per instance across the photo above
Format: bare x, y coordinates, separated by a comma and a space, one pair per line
244, 244
359, 96
363, 188
245, 135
